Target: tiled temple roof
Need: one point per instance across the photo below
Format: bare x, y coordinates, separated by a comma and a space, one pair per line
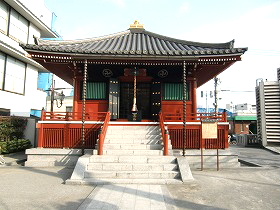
135, 42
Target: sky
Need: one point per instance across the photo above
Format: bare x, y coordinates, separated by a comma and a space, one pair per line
251, 23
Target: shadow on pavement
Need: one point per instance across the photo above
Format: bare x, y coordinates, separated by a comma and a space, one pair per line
64, 173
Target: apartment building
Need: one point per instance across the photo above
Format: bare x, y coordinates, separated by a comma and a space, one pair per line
20, 21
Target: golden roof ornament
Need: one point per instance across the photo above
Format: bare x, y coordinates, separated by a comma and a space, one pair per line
137, 24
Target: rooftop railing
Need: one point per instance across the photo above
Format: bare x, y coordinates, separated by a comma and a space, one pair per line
73, 116
194, 117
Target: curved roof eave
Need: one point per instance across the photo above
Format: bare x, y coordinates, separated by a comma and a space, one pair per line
135, 43
140, 57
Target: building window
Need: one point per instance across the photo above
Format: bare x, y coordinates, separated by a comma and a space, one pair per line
96, 90
2, 69
12, 73
174, 91
4, 17
18, 27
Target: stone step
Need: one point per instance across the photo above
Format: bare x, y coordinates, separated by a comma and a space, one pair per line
230, 159
112, 146
132, 136
132, 152
132, 166
197, 165
94, 181
133, 141
133, 174
134, 159
128, 127
197, 152
138, 132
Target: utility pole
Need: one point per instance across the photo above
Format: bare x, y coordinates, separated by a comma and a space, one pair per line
216, 94
52, 94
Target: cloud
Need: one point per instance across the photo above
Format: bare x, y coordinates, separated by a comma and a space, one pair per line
119, 3
184, 8
258, 30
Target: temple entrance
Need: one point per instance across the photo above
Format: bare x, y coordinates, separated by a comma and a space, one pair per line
143, 99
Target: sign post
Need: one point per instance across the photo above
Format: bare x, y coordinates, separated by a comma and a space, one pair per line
209, 131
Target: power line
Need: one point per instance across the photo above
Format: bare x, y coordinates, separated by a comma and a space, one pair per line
237, 91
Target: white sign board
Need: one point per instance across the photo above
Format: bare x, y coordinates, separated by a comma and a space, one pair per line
209, 130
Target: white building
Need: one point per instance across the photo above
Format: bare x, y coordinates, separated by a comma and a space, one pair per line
20, 21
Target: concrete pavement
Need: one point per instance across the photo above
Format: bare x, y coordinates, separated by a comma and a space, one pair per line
258, 156
14, 158
129, 197
247, 188
239, 188
39, 189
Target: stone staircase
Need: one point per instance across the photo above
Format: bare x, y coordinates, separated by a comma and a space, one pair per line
133, 140
132, 154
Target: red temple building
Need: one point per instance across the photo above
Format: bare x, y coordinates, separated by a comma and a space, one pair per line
133, 78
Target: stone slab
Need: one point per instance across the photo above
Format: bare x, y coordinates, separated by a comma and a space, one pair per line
80, 167
184, 168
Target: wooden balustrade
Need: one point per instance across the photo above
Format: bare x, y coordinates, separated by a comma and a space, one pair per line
56, 134
103, 133
193, 138
67, 136
73, 116
164, 133
194, 117
194, 131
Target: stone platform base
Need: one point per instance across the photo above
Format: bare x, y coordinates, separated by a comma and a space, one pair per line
227, 158
44, 157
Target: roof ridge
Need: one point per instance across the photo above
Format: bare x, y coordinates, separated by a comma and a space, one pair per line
79, 41
229, 44
226, 45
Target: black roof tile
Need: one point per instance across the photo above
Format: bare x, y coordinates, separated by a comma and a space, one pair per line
135, 43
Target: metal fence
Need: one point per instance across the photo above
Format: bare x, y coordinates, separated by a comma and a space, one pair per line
247, 140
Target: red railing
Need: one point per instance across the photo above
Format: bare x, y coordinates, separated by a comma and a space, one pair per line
68, 136
193, 139
73, 116
194, 117
103, 133
164, 134
57, 134
194, 131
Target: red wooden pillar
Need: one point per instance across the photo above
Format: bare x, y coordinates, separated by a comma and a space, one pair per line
41, 130
77, 93
165, 138
41, 135
194, 100
225, 116
226, 136
226, 128
66, 143
66, 139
